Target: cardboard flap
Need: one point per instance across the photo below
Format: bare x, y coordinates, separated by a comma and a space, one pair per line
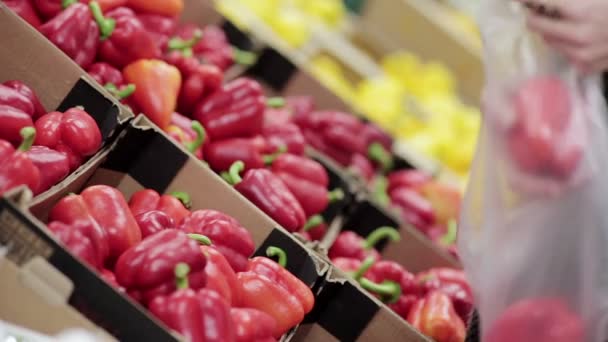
38, 275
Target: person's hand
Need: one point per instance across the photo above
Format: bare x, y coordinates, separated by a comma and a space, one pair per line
580, 31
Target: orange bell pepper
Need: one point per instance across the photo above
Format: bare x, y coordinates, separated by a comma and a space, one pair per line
156, 88
170, 8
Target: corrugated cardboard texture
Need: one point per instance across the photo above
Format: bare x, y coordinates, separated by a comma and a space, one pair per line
26, 307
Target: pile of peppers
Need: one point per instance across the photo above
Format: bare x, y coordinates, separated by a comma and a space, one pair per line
436, 302
39, 149
191, 269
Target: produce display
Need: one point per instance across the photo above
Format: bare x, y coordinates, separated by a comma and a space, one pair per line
195, 270
203, 286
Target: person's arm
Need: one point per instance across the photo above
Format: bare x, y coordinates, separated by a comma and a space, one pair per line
579, 31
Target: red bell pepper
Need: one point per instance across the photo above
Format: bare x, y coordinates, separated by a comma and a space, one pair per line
83, 239
312, 197
276, 272
160, 26
50, 8
314, 229
252, 325
350, 245
74, 132
416, 209
277, 113
453, 283
259, 292
235, 110
175, 205
169, 8
220, 275
407, 179
301, 167
285, 135
251, 151
104, 73
129, 40
351, 266
152, 222
342, 136
314, 139
12, 121
110, 278
301, 107
268, 192
361, 167
434, 316
189, 133
16, 168
201, 316
76, 33
25, 10
522, 321
147, 267
157, 86
8, 98
388, 290
227, 234
385, 270
374, 134
73, 211
53, 166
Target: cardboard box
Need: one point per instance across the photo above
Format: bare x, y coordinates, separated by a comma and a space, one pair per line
59, 83
27, 241
345, 312
144, 157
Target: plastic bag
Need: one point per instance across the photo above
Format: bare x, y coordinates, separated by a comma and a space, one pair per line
534, 225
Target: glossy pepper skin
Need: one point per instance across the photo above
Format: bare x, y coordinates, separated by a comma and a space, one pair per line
50, 8
314, 229
213, 46
16, 113
73, 211
175, 205
220, 275
227, 234
286, 135
152, 222
301, 167
350, 245
129, 41
313, 197
30, 95
16, 168
147, 268
76, 33
105, 73
276, 272
415, 209
157, 86
268, 192
385, 270
25, 10
169, 8
80, 238
407, 179
434, 316
189, 133
251, 151
453, 283
53, 166
521, 322
259, 292
235, 110
160, 26
362, 167
73, 132
252, 325
199, 316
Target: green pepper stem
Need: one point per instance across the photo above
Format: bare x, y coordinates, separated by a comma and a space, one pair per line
200, 137
183, 197
185, 45
29, 135
313, 222
380, 190
379, 234
389, 291
335, 195
365, 266
272, 252
106, 25
379, 154
275, 102
67, 3
233, 176
202, 239
243, 57
181, 275
270, 158
122, 93
450, 236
